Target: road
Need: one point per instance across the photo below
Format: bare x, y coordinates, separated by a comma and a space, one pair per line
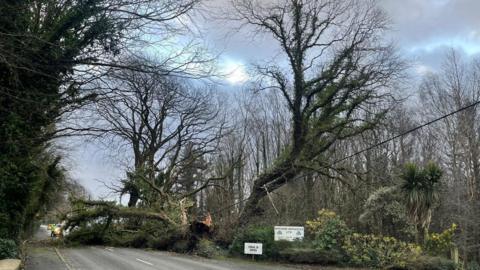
109, 258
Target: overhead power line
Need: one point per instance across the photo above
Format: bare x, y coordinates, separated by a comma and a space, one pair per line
376, 145
405, 133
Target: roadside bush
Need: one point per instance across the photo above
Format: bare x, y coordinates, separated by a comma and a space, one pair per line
208, 249
430, 263
328, 230
264, 235
182, 246
378, 251
4, 220
8, 249
224, 232
472, 265
440, 243
312, 256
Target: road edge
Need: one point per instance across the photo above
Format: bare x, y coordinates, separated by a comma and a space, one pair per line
62, 259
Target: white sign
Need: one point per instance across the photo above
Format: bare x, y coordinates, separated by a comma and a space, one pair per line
289, 233
253, 248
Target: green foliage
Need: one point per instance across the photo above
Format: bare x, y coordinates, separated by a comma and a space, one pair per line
429, 263
331, 242
40, 45
331, 235
15, 176
28, 191
47, 190
422, 183
106, 222
91, 235
312, 256
182, 246
472, 265
378, 251
440, 243
421, 188
8, 249
151, 234
265, 235
328, 230
385, 213
208, 249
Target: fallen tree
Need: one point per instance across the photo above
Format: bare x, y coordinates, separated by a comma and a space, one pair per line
107, 222
90, 211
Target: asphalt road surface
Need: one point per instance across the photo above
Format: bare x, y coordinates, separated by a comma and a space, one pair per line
108, 258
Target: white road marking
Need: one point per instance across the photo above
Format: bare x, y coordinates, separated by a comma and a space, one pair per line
145, 262
109, 249
63, 259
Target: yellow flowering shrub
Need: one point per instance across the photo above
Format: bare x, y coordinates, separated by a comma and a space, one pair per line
330, 233
328, 230
440, 243
378, 251
324, 216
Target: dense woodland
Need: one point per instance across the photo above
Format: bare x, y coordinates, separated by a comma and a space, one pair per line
317, 129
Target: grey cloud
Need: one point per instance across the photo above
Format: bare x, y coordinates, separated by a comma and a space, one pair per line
418, 27
420, 22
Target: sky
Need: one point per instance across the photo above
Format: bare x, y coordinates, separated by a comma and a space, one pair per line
423, 31
427, 29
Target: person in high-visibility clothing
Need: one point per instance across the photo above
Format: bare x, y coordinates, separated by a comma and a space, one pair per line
51, 228
58, 231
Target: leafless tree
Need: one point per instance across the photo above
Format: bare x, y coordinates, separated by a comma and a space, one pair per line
129, 28
154, 117
457, 144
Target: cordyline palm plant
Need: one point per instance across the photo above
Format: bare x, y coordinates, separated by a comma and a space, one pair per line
421, 188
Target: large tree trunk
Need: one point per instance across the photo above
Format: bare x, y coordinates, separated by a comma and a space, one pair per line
272, 180
110, 210
282, 171
134, 196
310, 207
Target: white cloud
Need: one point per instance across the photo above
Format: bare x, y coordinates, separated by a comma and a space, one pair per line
463, 45
423, 70
234, 72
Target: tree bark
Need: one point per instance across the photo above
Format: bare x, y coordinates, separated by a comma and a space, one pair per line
272, 179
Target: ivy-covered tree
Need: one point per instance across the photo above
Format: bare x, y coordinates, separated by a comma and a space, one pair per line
48, 50
335, 64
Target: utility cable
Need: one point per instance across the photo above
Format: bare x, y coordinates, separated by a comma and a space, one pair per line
377, 144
